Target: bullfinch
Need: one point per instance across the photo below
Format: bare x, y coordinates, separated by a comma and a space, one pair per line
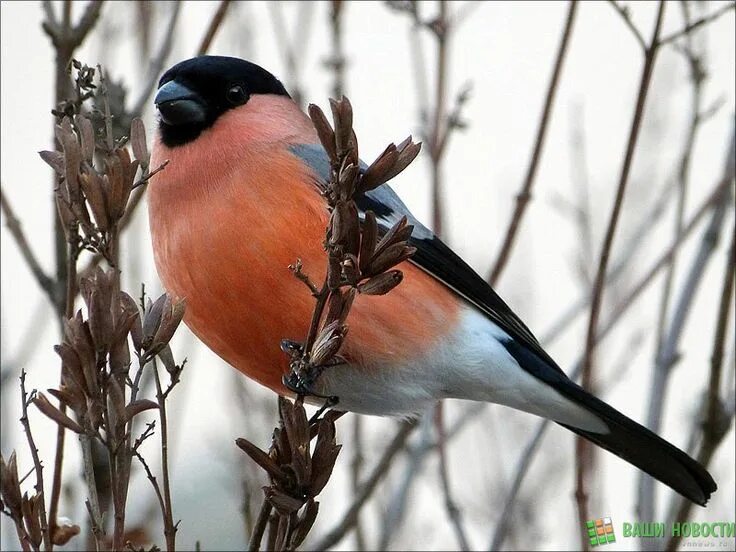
239, 202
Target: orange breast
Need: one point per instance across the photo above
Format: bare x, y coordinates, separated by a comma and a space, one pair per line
223, 238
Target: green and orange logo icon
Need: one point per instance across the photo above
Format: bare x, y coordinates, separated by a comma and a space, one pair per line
600, 531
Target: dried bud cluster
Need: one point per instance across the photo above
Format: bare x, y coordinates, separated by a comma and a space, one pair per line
96, 361
297, 472
95, 176
92, 201
22, 509
359, 260
98, 395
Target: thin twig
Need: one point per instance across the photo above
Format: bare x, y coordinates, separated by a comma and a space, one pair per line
98, 529
11, 221
696, 24
356, 465
152, 479
37, 465
598, 286
696, 80
214, 26
717, 419
350, 517
293, 48
336, 61
441, 31
522, 199
169, 526
626, 16
157, 63
668, 355
453, 512
629, 299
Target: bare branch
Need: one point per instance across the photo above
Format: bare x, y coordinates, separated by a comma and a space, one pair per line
157, 63
668, 354
717, 418
453, 512
37, 465
623, 11
13, 224
522, 199
214, 26
699, 23
623, 306
598, 286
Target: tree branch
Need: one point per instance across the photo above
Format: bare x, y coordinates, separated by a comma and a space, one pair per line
598, 286
699, 23
522, 199
214, 26
13, 224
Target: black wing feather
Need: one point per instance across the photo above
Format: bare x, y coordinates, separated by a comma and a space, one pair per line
437, 259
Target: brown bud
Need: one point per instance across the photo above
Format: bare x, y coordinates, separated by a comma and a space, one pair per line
67, 217
69, 396
43, 404
55, 159
390, 257
339, 223
100, 317
135, 408
338, 305
327, 344
381, 284
375, 175
138, 142
350, 269
152, 319
368, 239
9, 485
283, 503
352, 238
408, 151
304, 523
261, 458
171, 317
31, 513
87, 137
71, 367
117, 399
324, 457
342, 116
324, 130
72, 158
91, 184
295, 422
334, 272
346, 182
78, 336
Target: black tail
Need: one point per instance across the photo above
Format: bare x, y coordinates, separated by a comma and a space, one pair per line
626, 438
647, 451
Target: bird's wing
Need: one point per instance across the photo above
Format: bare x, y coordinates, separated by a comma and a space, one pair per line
433, 256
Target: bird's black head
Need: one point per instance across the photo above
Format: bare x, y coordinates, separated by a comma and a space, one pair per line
194, 93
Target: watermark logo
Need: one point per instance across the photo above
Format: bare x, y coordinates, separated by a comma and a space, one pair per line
600, 531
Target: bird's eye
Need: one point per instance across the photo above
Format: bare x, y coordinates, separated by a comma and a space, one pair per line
236, 95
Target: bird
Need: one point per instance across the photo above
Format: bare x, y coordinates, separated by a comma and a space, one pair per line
239, 201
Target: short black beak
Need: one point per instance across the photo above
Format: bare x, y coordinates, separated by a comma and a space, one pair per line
178, 105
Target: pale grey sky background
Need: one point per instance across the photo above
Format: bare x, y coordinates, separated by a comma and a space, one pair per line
505, 49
